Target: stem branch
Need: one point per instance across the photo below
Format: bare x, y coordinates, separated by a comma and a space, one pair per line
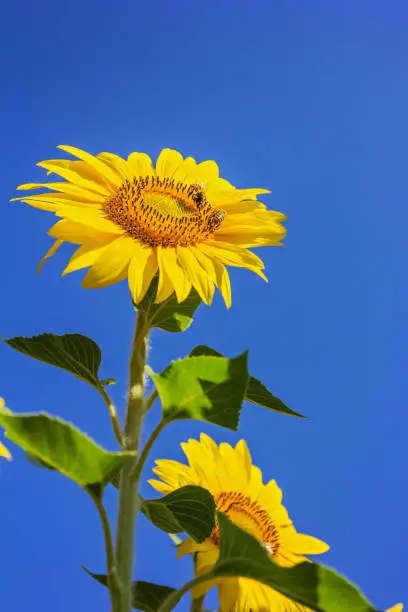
146, 450
150, 401
114, 417
173, 599
113, 583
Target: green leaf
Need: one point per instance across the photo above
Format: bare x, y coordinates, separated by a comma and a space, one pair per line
256, 392
107, 382
38, 463
168, 315
58, 445
146, 596
310, 584
206, 388
73, 353
189, 509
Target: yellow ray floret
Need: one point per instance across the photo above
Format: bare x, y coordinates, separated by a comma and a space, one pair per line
238, 490
132, 220
3, 450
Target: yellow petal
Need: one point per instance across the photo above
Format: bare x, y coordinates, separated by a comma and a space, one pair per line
186, 171
140, 164
159, 486
64, 188
245, 208
112, 264
232, 255
4, 452
220, 189
142, 269
302, 544
250, 236
228, 593
223, 282
244, 456
173, 473
217, 272
197, 275
232, 468
84, 257
49, 254
59, 200
205, 262
204, 562
80, 167
167, 162
117, 163
74, 177
201, 461
397, 608
208, 170
172, 273
39, 204
103, 169
92, 218
78, 234
189, 546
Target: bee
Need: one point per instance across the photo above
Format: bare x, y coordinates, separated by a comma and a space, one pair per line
199, 194
216, 218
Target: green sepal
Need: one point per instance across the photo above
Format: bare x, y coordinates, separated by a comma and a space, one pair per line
168, 315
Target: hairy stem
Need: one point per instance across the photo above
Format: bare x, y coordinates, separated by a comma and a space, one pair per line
128, 497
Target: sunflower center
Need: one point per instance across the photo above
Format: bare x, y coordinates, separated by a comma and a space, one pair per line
163, 212
249, 516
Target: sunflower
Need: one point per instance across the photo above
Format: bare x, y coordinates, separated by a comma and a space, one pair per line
239, 492
178, 219
3, 450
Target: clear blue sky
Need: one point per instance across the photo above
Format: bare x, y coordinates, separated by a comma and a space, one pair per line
309, 98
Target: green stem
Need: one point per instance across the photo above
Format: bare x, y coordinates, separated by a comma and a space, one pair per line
197, 604
150, 401
172, 600
128, 496
114, 417
113, 583
146, 450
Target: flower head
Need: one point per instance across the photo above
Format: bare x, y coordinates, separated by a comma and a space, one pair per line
132, 220
239, 492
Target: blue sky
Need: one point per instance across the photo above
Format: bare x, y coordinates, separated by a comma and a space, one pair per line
308, 98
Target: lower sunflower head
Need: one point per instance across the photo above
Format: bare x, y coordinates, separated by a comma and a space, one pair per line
132, 220
239, 492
